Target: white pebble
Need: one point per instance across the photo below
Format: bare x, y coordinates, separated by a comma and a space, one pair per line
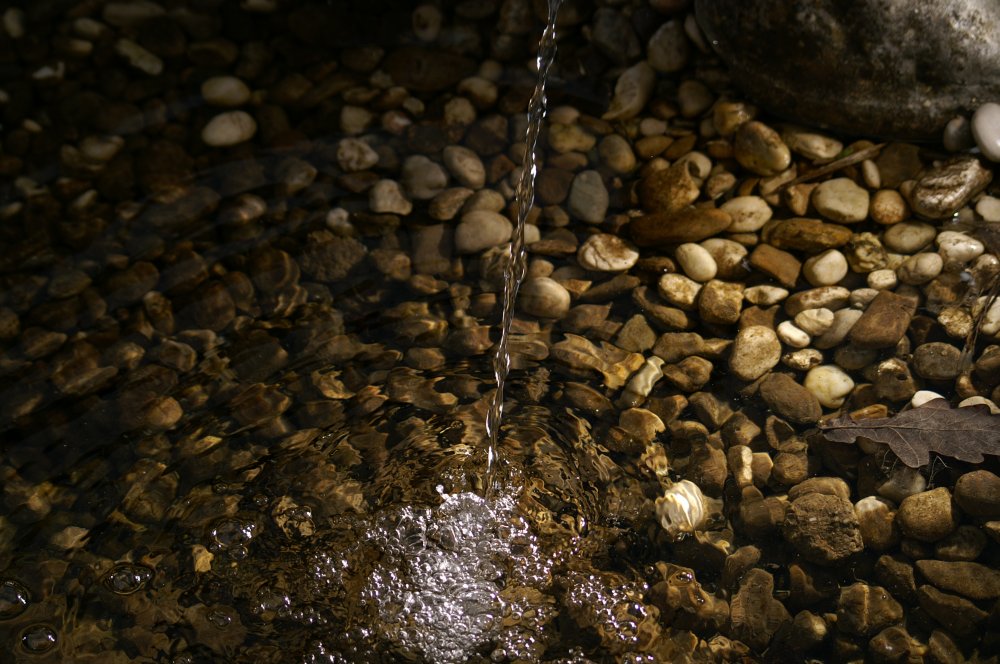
812, 146
749, 213
862, 297
988, 207
229, 128
986, 130
882, 279
803, 359
683, 509
979, 401
908, 237
678, 290
642, 382
339, 220
825, 269
739, 458
696, 262
353, 155
843, 321
792, 335
606, 253
481, 230
481, 91
990, 324
903, 482
815, 321
765, 296
226, 91
829, 384
958, 247
632, 91
920, 268
920, 397
840, 199
465, 165
386, 196
699, 165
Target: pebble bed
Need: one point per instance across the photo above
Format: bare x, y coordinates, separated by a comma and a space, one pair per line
229, 228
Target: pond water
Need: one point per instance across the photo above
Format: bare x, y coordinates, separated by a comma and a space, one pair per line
253, 262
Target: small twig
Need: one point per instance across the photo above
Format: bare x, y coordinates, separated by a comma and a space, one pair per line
834, 166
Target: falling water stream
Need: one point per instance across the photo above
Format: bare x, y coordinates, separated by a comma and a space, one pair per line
517, 262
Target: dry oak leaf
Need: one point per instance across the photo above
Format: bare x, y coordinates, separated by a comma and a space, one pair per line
965, 433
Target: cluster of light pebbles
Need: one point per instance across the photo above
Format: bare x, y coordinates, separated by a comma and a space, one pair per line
203, 279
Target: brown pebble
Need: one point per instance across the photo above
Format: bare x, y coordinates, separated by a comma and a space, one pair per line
781, 265
978, 494
884, 322
789, 399
809, 235
927, 516
691, 224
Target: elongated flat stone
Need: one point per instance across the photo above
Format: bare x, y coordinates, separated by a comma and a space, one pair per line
688, 225
884, 322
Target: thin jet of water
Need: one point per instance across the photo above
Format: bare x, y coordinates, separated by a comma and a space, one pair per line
517, 260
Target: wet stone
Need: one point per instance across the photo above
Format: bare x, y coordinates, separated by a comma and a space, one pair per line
823, 528
965, 544
755, 614
957, 615
863, 610
669, 190
760, 149
789, 399
841, 200
937, 361
781, 265
928, 516
544, 297
803, 234
944, 189
327, 257
606, 253
720, 302
687, 225
978, 494
884, 322
588, 197
481, 230
969, 579
755, 351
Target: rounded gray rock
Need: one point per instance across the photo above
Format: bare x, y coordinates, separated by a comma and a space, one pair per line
856, 66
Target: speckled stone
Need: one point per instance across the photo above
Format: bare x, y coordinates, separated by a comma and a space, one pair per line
823, 529
927, 516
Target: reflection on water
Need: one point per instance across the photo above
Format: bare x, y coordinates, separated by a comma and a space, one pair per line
252, 261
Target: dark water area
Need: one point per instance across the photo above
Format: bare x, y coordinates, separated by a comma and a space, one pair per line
252, 267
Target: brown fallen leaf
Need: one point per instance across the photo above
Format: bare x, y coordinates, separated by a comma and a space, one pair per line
965, 434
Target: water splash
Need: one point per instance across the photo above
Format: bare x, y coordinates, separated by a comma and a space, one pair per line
517, 258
